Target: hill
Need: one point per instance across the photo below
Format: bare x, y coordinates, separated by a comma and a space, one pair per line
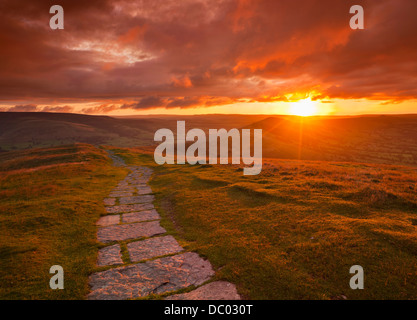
388, 139
38, 129
23, 130
294, 231
50, 200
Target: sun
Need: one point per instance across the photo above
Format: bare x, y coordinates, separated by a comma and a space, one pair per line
304, 108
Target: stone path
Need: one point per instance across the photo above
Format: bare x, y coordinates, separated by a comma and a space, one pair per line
141, 258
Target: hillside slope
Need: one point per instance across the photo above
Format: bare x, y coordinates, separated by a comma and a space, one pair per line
375, 139
294, 231
28, 130
388, 139
50, 200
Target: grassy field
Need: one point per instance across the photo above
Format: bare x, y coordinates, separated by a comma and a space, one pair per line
291, 232
294, 231
50, 200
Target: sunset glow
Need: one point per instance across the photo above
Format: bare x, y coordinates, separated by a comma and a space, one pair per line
304, 108
194, 57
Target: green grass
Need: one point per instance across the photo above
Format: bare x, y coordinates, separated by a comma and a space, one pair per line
294, 231
50, 200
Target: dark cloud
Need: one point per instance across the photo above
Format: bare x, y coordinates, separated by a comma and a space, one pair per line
63, 109
104, 108
24, 108
190, 53
146, 103
35, 108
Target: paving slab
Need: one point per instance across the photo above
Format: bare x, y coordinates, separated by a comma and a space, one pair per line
109, 256
109, 201
117, 194
108, 220
143, 189
157, 276
123, 184
218, 290
153, 247
140, 216
129, 231
124, 189
130, 207
137, 199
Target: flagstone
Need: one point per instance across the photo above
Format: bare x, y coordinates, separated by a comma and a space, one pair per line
153, 247
143, 189
120, 194
140, 216
218, 290
108, 220
129, 231
109, 256
109, 201
130, 207
157, 276
137, 199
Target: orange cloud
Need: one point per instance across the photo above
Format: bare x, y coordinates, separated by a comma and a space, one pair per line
162, 54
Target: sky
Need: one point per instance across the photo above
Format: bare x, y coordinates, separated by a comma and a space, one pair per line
209, 56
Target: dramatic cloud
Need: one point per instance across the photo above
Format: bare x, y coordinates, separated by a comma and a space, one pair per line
24, 108
35, 108
200, 53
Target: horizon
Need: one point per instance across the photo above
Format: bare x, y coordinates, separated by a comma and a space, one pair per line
217, 114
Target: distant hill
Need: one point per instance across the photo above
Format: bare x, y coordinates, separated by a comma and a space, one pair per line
390, 139
37, 129
22, 130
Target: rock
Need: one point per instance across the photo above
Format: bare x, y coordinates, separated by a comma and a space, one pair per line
140, 216
109, 256
129, 231
218, 290
108, 220
157, 276
109, 201
137, 199
130, 207
154, 247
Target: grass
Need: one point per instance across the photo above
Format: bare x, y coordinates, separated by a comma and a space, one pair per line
294, 231
50, 200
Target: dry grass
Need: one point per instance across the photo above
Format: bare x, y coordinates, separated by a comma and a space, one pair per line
294, 231
50, 200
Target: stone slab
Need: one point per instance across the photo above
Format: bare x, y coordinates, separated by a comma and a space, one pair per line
122, 184
218, 290
109, 256
124, 189
137, 199
143, 190
120, 194
130, 207
141, 180
129, 231
153, 247
140, 216
108, 220
109, 201
157, 276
